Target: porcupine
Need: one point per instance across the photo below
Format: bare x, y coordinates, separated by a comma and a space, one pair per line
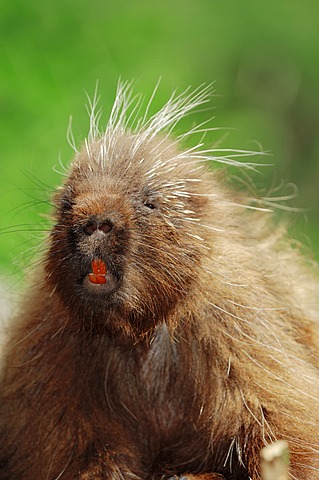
170, 332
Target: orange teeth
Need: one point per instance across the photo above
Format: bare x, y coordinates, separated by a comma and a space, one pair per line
99, 272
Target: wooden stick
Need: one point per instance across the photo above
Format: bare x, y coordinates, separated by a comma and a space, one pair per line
275, 461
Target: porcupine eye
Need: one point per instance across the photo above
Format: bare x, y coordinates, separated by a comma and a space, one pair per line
150, 205
149, 198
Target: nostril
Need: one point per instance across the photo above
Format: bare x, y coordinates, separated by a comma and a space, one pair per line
90, 228
93, 226
106, 227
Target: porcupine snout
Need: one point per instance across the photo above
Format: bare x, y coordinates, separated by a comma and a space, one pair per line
101, 235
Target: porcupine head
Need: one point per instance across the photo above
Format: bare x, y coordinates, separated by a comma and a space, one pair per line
128, 246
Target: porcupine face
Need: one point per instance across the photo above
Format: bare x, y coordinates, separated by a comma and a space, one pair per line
123, 242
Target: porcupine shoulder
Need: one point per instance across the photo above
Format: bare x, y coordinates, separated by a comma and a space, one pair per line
170, 331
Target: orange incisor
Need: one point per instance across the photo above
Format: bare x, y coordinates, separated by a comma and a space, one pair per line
99, 271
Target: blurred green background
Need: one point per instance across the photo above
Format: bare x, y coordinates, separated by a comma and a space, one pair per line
263, 58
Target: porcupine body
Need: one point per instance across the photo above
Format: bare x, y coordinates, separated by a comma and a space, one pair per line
169, 331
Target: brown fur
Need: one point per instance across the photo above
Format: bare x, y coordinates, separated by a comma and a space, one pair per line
205, 349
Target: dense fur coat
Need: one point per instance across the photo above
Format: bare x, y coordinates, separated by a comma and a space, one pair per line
200, 347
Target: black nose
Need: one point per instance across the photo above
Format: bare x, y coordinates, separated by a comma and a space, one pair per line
104, 227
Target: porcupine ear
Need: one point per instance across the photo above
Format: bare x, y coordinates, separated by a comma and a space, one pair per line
198, 202
199, 198
64, 198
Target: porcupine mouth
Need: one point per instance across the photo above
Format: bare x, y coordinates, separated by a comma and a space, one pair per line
100, 280
96, 288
